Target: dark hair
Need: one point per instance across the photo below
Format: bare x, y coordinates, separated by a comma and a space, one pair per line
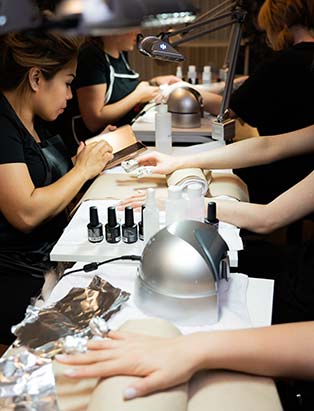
19, 52
277, 16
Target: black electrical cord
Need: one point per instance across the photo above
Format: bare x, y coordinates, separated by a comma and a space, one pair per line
93, 266
142, 112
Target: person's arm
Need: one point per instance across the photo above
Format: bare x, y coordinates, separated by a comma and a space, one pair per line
289, 207
244, 153
212, 102
28, 206
96, 114
167, 79
277, 351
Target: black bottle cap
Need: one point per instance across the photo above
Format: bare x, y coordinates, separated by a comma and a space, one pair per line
93, 216
142, 212
112, 218
211, 212
129, 217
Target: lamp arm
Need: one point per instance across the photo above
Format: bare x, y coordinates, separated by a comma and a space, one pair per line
192, 26
200, 34
215, 11
233, 55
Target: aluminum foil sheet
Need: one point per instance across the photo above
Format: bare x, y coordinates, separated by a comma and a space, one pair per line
143, 171
129, 165
27, 384
44, 329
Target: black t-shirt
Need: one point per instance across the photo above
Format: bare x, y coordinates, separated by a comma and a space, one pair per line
279, 96
18, 146
93, 69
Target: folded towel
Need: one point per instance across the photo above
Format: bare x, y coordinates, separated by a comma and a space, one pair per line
184, 177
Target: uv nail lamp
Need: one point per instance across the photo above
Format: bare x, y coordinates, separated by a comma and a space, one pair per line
179, 276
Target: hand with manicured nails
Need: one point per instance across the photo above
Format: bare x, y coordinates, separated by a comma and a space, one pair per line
161, 362
161, 163
93, 158
170, 79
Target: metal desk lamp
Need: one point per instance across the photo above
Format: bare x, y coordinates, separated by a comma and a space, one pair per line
100, 17
228, 13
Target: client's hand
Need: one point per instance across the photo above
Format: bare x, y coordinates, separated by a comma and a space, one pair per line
161, 163
139, 198
163, 362
170, 79
135, 201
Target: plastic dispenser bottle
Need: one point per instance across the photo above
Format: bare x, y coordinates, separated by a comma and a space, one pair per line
150, 215
175, 205
192, 75
163, 136
207, 76
179, 73
195, 203
211, 215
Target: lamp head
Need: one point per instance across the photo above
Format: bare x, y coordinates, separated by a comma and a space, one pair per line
158, 48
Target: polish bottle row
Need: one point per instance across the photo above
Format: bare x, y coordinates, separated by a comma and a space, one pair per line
177, 209
129, 232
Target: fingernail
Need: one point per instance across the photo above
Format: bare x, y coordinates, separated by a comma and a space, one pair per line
70, 372
129, 393
61, 357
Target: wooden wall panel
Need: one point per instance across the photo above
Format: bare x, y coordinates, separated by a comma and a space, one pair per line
209, 49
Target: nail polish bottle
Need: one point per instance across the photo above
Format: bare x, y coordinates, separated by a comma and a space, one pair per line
112, 228
94, 227
211, 215
129, 229
141, 225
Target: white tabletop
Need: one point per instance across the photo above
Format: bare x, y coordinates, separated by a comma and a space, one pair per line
73, 245
244, 302
145, 131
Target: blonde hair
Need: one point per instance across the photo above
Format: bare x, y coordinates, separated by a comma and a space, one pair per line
21, 51
276, 17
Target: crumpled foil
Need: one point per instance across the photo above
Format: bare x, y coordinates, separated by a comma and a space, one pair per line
27, 383
142, 171
43, 329
129, 165
26, 380
99, 327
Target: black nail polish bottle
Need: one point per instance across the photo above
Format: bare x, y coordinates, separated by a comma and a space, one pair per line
141, 226
112, 228
94, 227
211, 215
129, 229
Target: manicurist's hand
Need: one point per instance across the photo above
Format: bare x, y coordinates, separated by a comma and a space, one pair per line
162, 362
145, 92
109, 128
92, 159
